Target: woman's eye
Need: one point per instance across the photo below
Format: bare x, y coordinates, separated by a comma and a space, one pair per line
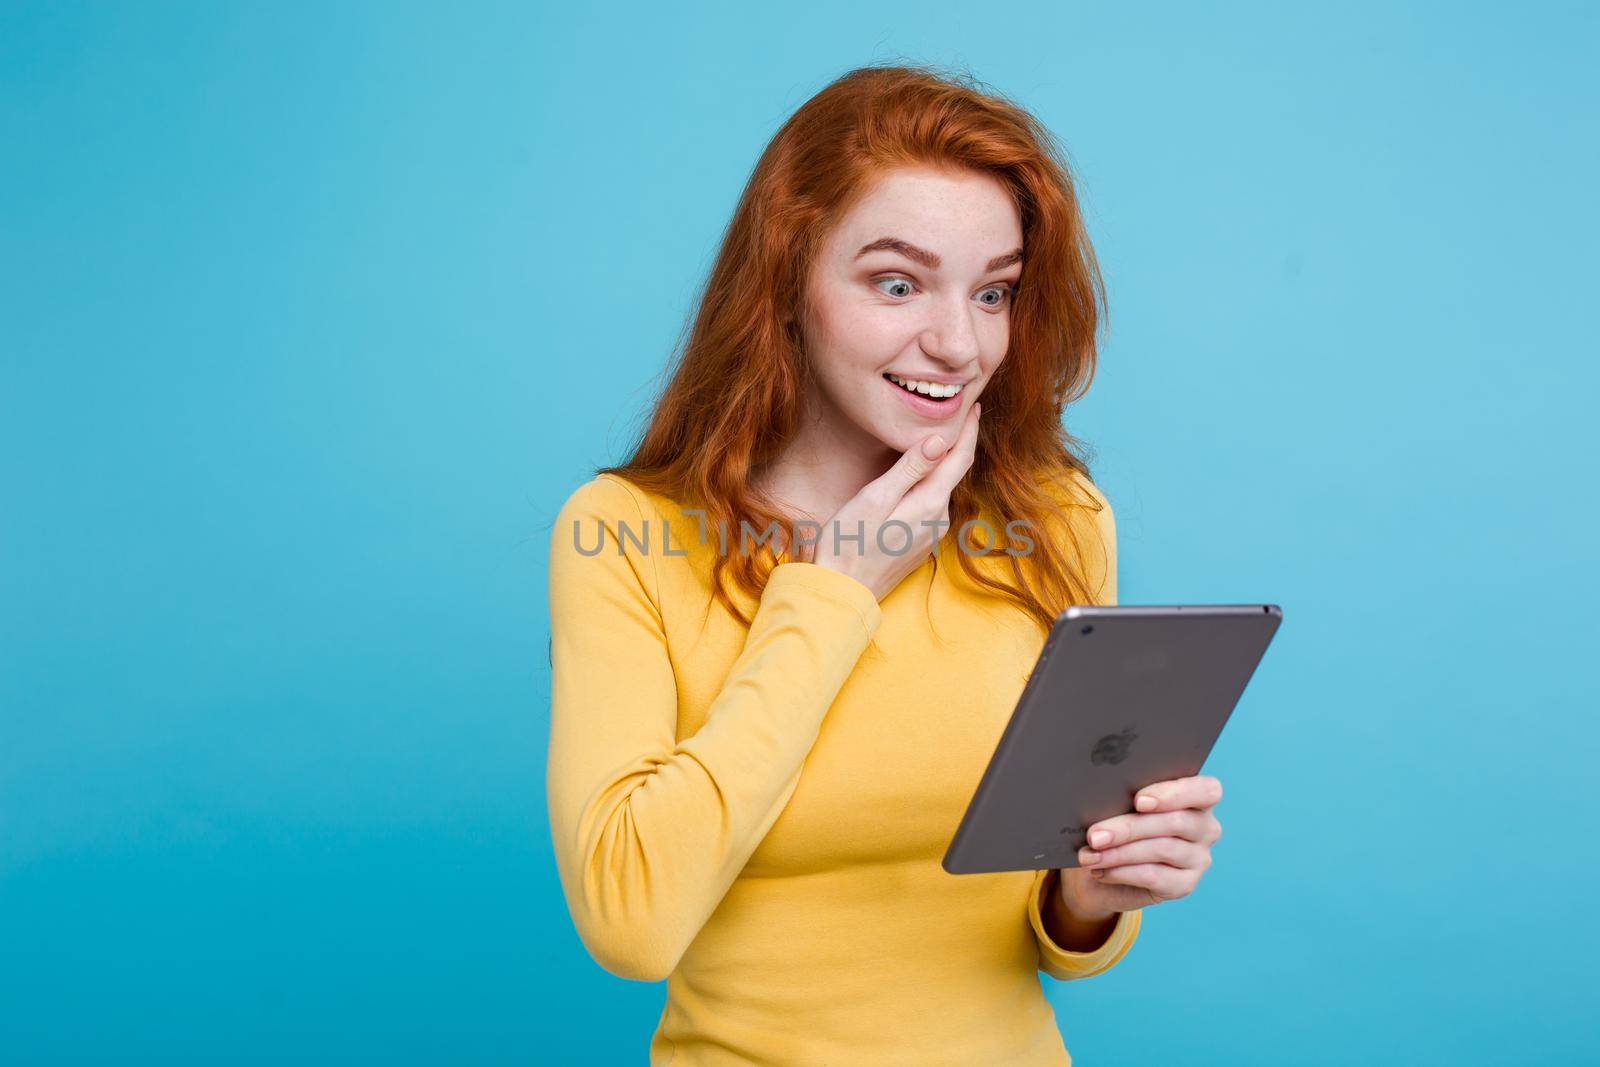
1005, 291
896, 281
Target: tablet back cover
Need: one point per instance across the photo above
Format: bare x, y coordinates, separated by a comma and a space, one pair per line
1121, 697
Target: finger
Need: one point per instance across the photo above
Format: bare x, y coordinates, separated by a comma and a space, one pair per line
936, 488
1192, 825
1200, 791
912, 467
1161, 881
1173, 851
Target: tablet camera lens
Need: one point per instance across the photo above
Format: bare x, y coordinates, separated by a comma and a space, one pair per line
1087, 630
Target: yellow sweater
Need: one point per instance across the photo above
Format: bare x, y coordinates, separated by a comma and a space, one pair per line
757, 815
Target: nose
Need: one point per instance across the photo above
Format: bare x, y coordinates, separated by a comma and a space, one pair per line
952, 337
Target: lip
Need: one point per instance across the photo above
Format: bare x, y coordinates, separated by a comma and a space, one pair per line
927, 407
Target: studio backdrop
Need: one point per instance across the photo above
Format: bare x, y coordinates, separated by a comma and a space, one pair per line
312, 316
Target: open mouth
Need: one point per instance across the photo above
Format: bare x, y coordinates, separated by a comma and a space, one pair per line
933, 392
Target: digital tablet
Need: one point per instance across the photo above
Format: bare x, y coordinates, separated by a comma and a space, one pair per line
1121, 697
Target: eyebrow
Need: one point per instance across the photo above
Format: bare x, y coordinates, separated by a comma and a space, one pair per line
927, 258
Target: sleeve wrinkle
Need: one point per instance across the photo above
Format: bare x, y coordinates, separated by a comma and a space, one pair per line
650, 831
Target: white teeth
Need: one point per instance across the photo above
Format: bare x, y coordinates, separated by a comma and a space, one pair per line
934, 389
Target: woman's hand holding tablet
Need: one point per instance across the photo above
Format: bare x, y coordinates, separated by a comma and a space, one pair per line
1097, 774
1148, 856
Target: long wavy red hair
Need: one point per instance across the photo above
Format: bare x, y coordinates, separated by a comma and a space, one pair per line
734, 392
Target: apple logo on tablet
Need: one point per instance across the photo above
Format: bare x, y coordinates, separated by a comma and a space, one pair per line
1113, 748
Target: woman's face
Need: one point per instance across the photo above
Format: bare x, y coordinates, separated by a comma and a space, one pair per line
915, 283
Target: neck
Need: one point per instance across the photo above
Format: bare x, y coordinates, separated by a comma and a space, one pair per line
829, 460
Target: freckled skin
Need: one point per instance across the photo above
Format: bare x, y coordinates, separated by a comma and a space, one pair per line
887, 312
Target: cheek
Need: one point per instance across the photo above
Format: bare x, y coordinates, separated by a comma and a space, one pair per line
997, 340
995, 346
868, 329
853, 340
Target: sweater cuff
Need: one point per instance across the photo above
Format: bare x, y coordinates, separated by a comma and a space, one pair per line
1065, 964
830, 583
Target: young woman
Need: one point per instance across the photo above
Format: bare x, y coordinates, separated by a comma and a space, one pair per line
787, 633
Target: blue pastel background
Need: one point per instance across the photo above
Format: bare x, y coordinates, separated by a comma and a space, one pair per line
312, 315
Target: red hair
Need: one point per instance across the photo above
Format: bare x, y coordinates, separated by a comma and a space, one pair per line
734, 395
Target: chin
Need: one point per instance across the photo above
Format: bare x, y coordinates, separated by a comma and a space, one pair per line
890, 432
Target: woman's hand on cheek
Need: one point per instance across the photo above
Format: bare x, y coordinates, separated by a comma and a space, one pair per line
1155, 854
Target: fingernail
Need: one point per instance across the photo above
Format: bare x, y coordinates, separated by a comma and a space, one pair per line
1099, 838
933, 446
1145, 803
1085, 856
1098, 872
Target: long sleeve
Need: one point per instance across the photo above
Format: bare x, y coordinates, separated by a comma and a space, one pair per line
649, 832
1054, 960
